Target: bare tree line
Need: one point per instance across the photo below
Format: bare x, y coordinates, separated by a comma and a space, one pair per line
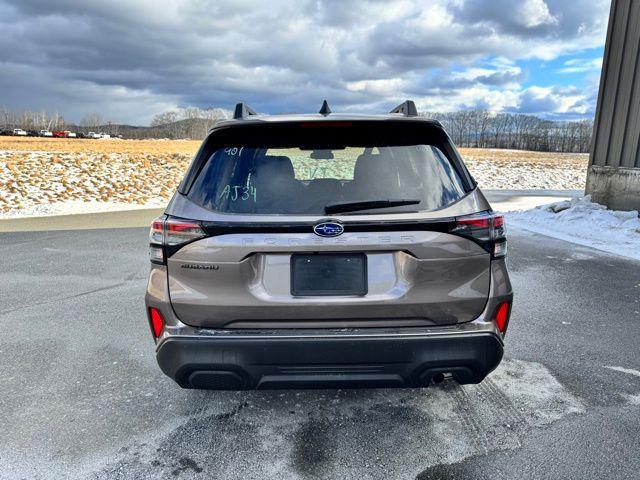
484, 129
43, 120
190, 122
31, 120
467, 128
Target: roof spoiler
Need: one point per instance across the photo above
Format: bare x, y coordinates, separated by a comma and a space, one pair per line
242, 111
407, 108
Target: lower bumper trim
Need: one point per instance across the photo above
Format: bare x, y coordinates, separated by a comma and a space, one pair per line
236, 363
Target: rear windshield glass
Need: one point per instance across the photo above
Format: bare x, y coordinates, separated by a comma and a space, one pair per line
237, 179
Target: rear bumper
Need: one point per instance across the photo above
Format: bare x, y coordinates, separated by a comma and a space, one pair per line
244, 361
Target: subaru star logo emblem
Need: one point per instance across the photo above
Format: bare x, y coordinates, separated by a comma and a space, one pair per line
328, 229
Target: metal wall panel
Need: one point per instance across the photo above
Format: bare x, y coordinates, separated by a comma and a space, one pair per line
616, 136
614, 164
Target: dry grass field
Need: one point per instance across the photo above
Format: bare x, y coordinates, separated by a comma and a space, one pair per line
35, 172
103, 146
38, 173
517, 169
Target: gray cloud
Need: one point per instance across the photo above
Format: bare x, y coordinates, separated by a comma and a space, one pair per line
132, 59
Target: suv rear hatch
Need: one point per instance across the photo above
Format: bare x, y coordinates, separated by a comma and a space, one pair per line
328, 225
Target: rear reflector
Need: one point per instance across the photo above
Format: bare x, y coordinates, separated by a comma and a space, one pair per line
502, 316
500, 249
156, 254
157, 321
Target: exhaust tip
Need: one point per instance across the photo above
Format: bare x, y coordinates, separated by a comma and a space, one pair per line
438, 378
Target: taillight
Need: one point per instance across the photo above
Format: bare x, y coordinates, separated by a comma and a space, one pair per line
157, 321
168, 234
487, 229
501, 317
178, 231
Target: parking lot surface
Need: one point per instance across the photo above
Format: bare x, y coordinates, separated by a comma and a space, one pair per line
82, 397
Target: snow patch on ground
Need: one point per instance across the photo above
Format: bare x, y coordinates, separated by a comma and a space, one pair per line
629, 371
632, 399
584, 222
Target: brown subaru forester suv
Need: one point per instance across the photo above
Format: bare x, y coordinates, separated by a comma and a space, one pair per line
326, 250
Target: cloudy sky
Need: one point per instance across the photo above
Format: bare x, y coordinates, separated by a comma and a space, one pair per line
131, 59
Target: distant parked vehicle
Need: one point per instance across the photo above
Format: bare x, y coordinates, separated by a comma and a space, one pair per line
70, 134
19, 132
46, 133
93, 135
60, 134
6, 132
33, 133
104, 135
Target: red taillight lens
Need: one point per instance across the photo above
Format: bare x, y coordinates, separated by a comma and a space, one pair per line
179, 231
486, 228
476, 222
501, 316
171, 232
157, 321
477, 226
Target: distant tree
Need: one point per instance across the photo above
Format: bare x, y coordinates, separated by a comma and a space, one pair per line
91, 121
167, 121
190, 122
6, 115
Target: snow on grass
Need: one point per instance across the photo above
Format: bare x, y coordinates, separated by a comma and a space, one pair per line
514, 169
586, 223
71, 207
52, 176
43, 183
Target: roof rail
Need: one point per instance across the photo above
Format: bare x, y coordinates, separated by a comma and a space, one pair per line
242, 111
407, 108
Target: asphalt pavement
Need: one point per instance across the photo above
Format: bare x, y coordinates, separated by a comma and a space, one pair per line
82, 397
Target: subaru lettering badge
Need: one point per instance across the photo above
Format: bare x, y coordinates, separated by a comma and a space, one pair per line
328, 229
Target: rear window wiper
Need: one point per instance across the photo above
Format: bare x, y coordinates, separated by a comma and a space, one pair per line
366, 205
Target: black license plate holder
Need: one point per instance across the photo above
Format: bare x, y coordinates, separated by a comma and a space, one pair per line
328, 274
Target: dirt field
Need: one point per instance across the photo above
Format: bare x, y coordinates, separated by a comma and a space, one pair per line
40, 176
